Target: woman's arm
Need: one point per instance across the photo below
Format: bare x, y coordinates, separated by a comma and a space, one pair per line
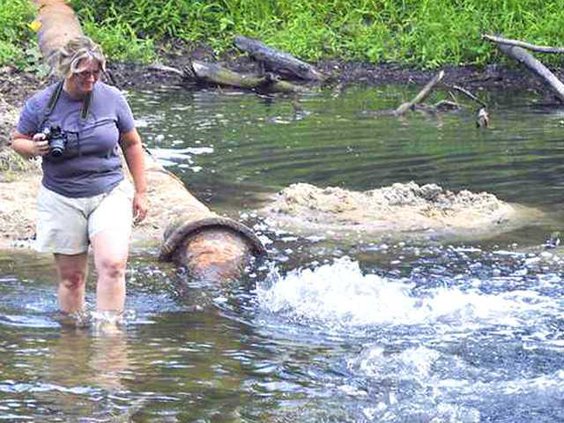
135, 157
29, 147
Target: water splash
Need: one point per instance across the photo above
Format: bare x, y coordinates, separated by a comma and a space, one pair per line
339, 293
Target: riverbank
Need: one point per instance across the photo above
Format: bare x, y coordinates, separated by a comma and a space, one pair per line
16, 85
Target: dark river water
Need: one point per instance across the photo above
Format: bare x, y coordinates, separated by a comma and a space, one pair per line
327, 330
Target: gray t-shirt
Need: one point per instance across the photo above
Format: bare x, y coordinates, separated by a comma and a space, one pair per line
90, 164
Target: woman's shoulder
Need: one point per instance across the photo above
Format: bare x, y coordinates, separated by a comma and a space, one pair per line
42, 96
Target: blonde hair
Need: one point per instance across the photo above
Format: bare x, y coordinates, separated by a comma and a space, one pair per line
64, 62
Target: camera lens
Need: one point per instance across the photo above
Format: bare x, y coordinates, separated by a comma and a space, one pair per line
57, 147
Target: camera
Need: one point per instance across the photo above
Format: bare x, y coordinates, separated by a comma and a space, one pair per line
57, 139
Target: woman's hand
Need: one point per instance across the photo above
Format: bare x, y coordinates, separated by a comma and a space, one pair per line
28, 146
134, 156
140, 207
40, 145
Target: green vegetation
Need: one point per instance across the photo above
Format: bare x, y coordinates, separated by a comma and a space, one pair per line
421, 33
17, 44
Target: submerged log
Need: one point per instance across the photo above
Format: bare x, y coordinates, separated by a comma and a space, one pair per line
523, 56
212, 73
278, 61
469, 95
207, 244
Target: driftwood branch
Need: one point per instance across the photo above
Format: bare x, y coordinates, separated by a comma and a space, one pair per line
215, 74
469, 95
446, 105
422, 95
535, 66
278, 61
164, 68
528, 46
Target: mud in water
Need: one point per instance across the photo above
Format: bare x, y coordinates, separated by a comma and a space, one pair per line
399, 208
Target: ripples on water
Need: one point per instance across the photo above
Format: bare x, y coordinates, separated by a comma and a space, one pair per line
325, 331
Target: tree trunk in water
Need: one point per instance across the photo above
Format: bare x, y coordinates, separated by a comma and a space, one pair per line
422, 95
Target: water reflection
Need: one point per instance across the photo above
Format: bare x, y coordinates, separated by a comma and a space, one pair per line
98, 360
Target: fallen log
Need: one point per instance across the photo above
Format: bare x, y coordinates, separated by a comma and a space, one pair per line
535, 66
416, 104
57, 24
213, 73
210, 246
278, 61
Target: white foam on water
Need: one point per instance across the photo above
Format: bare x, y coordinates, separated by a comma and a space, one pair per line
339, 293
412, 363
547, 384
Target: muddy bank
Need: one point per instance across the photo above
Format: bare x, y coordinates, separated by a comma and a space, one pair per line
395, 209
15, 85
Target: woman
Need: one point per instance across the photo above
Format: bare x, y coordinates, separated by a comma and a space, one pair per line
76, 126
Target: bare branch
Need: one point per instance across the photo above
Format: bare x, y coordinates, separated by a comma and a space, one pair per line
422, 95
517, 43
469, 95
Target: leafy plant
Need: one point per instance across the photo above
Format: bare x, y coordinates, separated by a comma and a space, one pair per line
15, 34
422, 33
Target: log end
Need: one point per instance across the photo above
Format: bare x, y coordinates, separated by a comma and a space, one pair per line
214, 248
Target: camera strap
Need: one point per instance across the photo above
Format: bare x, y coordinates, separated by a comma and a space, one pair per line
55, 98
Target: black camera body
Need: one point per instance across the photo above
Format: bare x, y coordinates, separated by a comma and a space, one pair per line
57, 139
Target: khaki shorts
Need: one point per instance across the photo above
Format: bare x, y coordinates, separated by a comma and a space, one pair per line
66, 225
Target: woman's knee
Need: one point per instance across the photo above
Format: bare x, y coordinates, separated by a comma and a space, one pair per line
112, 268
73, 280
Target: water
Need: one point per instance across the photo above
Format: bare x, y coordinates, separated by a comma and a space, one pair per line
432, 330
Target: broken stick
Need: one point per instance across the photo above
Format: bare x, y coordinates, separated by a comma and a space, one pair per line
421, 96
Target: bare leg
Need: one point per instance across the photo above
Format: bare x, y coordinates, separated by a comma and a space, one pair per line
72, 272
110, 258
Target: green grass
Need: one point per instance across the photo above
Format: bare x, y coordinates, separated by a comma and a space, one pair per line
420, 33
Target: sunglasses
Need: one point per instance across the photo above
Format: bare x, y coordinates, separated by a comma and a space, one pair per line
88, 74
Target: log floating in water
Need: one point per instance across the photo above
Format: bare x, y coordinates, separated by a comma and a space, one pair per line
278, 61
